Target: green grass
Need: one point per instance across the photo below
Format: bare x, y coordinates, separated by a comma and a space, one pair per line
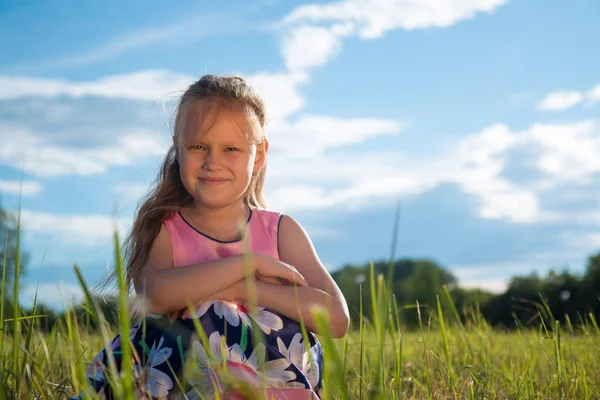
439, 363
444, 358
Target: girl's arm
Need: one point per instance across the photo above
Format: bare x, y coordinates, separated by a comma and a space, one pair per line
167, 289
296, 249
296, 302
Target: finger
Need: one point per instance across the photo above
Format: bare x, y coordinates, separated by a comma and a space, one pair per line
299, 279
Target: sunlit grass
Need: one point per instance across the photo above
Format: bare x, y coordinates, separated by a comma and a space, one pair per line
448, 356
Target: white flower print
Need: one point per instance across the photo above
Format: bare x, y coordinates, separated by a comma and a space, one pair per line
253, 370
157, 382
96, 368
298, 355
233, 312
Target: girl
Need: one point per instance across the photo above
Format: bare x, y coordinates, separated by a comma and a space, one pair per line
200, 237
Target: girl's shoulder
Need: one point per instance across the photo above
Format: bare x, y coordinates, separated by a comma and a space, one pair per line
265, 213
266, 218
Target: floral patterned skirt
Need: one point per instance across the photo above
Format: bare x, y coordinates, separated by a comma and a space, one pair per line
261, 351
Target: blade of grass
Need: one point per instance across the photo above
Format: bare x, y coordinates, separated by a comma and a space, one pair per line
16, 306
99, 316
126, 353
446, 345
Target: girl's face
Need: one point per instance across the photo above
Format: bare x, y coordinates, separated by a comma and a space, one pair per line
217, 156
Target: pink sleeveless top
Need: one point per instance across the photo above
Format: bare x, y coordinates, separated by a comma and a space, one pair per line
191, 246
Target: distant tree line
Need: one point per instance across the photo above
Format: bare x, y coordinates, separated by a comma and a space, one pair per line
528, 300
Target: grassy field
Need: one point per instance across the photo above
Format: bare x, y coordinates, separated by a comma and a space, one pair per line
446, 357
453, 364
442, 360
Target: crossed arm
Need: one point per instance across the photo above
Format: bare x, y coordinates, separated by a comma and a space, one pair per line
297, 302
167, 289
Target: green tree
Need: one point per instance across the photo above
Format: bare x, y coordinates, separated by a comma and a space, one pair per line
411, 280
424, 284
591, 281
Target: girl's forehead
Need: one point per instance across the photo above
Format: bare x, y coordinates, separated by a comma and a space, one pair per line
216, 122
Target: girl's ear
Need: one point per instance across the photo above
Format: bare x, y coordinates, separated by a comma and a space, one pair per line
261, 155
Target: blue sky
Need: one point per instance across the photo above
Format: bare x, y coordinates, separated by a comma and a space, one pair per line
482, 116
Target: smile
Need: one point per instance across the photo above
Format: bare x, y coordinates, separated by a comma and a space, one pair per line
212, 181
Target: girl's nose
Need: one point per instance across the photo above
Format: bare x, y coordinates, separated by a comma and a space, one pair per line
211, 161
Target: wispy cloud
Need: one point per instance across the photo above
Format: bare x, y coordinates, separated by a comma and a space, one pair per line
141, 85
561, 153
372, 19
561, 100
40, 157
311, 135
25, 188
83, 230
308, 46
594, 94
184, 30
313, 33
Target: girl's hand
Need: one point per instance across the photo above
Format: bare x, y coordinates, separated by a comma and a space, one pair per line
271, 270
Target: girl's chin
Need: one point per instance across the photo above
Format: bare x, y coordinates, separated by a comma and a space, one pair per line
206, 200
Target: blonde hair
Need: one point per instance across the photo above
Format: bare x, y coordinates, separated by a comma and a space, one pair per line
169, 194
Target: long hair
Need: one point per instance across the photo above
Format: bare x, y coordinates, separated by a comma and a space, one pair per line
169, 194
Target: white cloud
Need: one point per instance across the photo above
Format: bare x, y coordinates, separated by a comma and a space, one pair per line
310, 135
25, 188
568, 151
84, 230
141, 85
560, 100
49, 154
52, 294
41, 157
308, 43
482, 161
374, 18
310, 46
280, 93
559, 153
349, 180
593, 95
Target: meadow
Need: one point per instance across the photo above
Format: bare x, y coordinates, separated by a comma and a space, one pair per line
449, 355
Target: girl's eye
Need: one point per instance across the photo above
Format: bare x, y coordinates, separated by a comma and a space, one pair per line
231, 149
198, 147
